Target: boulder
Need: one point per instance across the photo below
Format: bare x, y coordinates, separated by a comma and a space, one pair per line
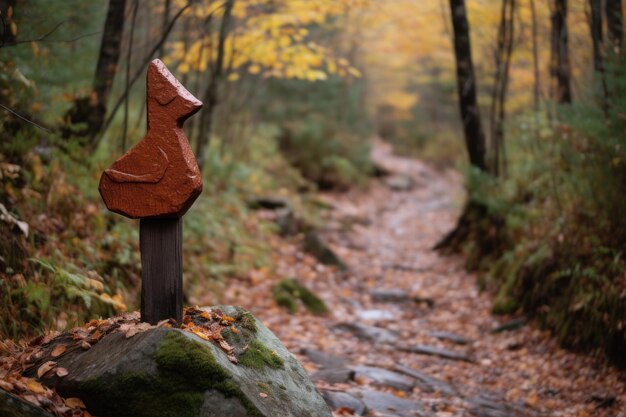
171, 372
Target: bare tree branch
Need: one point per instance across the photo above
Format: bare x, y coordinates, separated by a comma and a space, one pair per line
45, 36
26, 119
140, 70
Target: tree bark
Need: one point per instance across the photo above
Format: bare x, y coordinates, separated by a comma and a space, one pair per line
92, 109
129, 55
7, 10
615, 23
466, 85
597, 40
106, 68
537, 73
167, 5
560, 66
497, 117
211, 98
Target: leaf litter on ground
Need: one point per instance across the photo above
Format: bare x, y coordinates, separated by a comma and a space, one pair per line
16, 359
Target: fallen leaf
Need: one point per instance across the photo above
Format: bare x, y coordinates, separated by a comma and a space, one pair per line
200, 334
31, 399
345, 411
5, 385
61, 372
58, 350
96, 336
85, 345
34, 386
133, 331
205, 315
45, 368
262, 395
74, 402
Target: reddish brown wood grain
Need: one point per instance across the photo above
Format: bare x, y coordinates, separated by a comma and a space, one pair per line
159, 176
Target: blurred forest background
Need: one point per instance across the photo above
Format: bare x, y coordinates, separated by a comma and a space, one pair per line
294, 91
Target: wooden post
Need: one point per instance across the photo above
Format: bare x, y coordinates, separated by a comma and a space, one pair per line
161, 245
157, 181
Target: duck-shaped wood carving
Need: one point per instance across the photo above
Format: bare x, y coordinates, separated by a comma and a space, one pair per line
159, 176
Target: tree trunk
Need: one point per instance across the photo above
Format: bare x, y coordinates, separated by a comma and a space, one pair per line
537, 73
560, 66
497, 117
615, 23
466, 85
472, 126
166, 18
92, 109
211, 98
597, 39
106, 68
7, 10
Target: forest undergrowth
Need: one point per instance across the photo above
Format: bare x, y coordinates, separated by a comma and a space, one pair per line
548, 237
73, 261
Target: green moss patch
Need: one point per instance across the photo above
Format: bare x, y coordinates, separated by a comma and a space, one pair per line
287, 293
245, 319
187, 369
259, 356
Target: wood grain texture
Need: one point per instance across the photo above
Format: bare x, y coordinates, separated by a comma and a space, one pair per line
159, 176
161, 269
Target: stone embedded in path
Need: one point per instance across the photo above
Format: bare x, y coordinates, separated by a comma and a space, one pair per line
487, 405
400, 183
333, 375
385, 377
435, 351
268, 202
389, 296
427, 383
337, 400
371, 333
510, 325
317, 246
324, 359
165, 372
283, 213
398, 296
12, 406
389, 405
376, 315
451, 337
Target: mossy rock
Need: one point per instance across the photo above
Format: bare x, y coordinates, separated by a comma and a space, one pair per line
317, 246
170, 372
287, 293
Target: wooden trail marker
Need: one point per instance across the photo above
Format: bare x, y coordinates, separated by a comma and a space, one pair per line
157, 181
